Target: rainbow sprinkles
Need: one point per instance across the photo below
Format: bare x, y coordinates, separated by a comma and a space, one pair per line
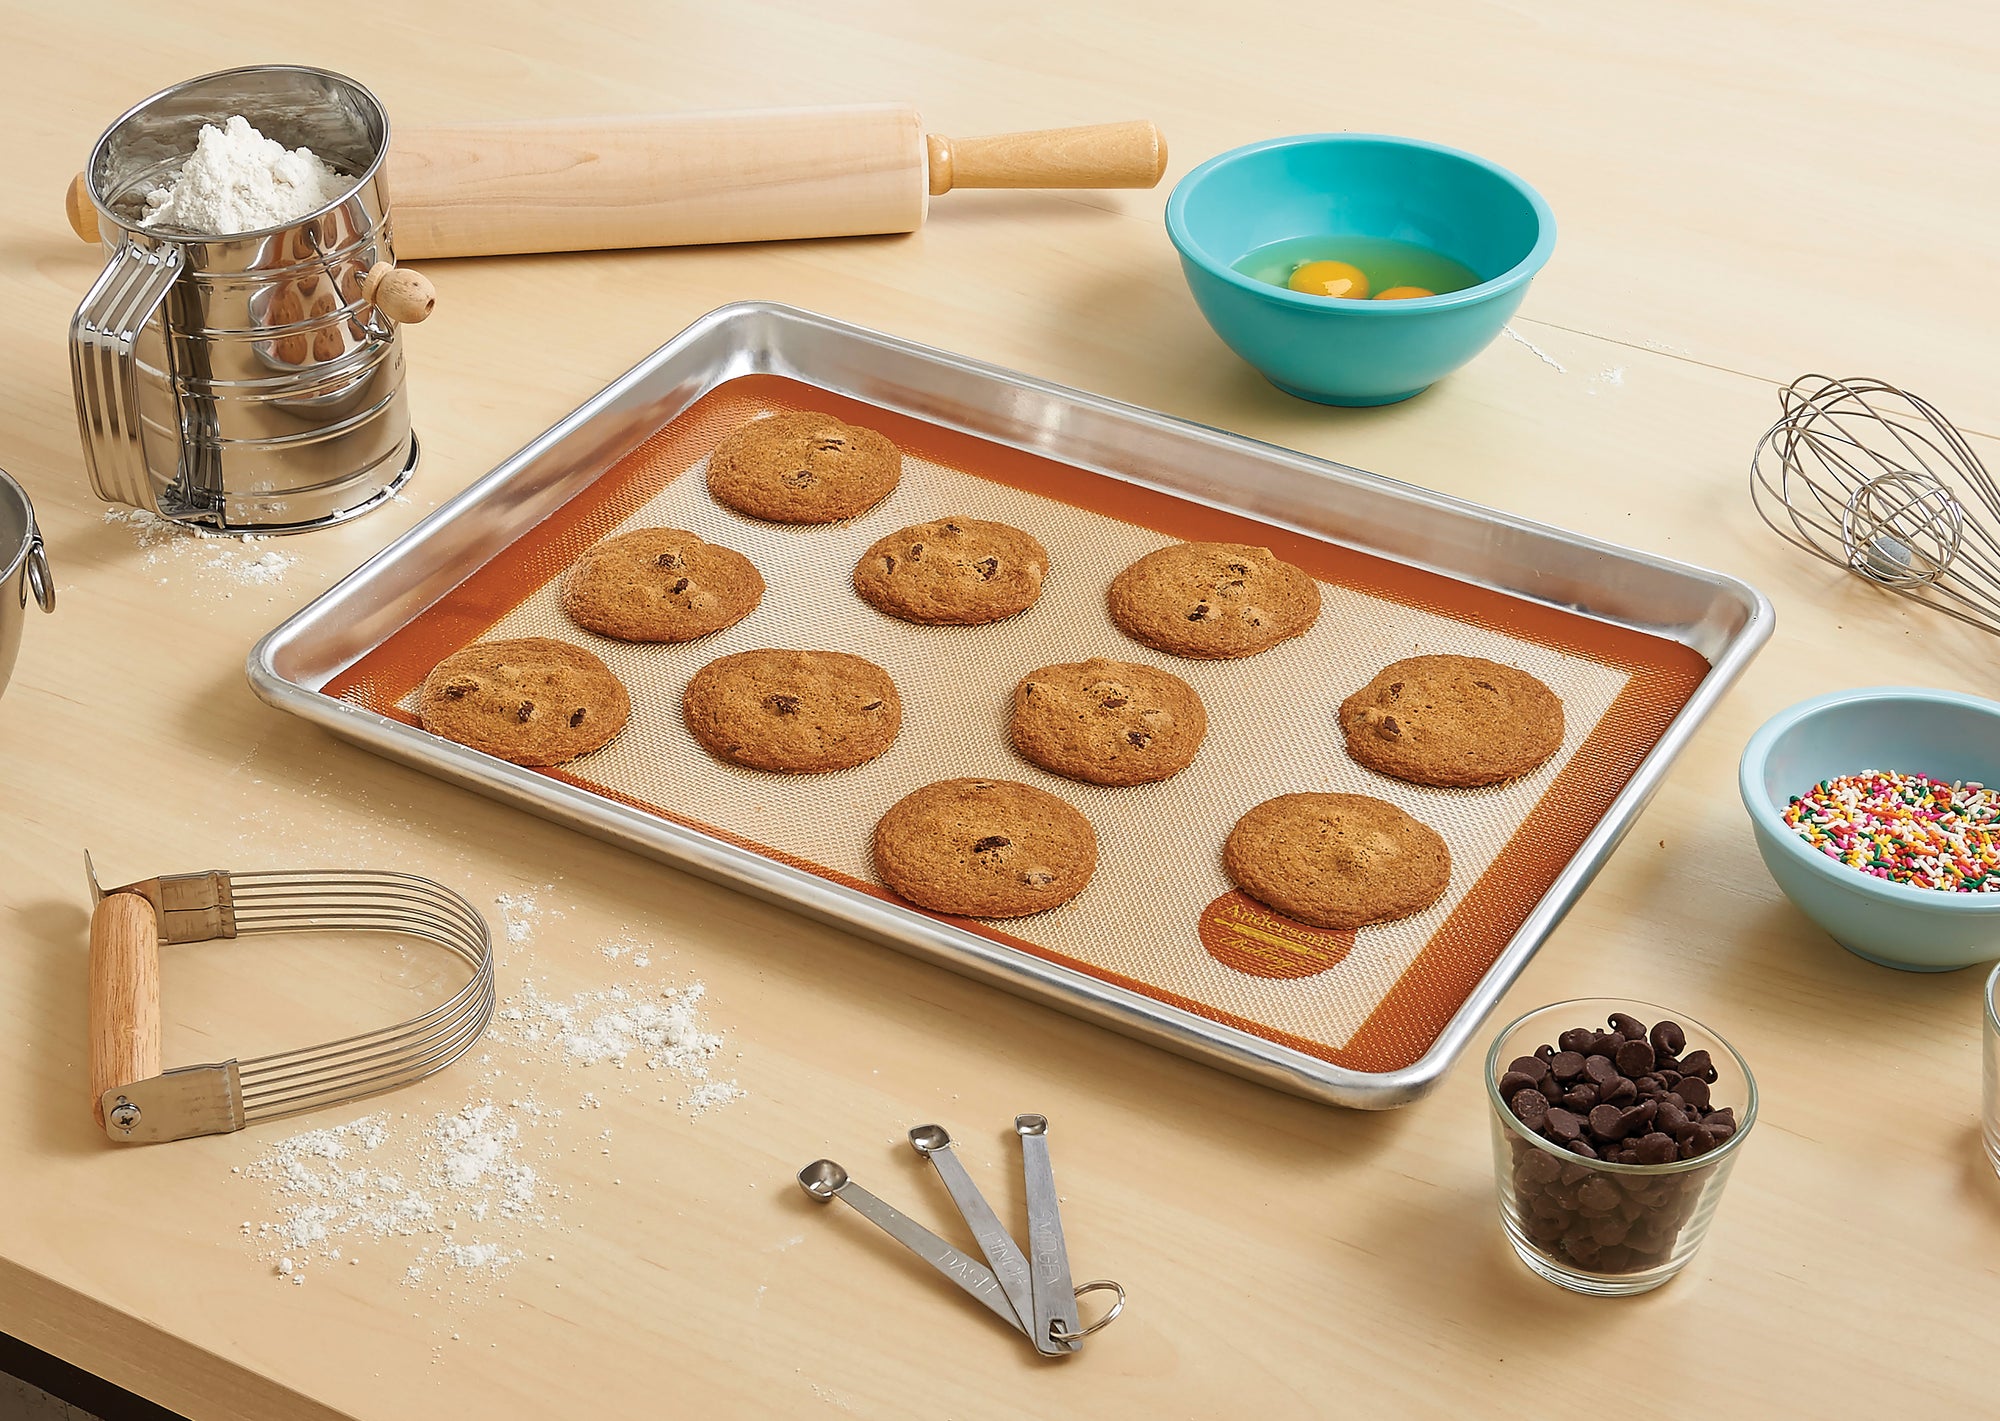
1908, 829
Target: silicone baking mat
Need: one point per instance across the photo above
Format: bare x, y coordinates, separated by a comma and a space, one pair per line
1160, 917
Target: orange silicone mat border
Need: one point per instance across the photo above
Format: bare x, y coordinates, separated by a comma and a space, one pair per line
1663, 676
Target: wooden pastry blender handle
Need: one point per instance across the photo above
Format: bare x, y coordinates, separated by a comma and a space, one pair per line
124, 1000
131, 1098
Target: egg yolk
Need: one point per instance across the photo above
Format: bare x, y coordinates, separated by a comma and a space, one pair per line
1402, 293
1330, 279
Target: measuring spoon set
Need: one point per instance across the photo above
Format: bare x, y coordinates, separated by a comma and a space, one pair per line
1030, 1292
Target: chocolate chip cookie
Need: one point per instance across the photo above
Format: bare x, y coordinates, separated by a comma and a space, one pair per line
1452, 720
953, 572
803, 467
1337, 860
985, 848
660, 584
1108, 722
795, 712
534, 701
1213, 600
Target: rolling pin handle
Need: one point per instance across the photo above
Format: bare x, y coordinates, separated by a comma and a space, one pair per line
404, 296
124, 995
1131, 155
80, 210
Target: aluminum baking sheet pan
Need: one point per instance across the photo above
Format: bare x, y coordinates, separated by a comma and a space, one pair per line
1159, 945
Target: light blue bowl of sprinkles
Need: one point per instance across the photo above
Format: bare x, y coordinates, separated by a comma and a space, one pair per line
1902, 730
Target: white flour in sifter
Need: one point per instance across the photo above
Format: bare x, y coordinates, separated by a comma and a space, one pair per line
240, 181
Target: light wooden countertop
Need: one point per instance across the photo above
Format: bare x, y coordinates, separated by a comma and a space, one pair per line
1745, 193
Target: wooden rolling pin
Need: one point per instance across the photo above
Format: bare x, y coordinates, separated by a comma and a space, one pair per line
562, 185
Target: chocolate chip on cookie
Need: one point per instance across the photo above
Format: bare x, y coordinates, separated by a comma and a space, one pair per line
795, 712
803, 467
534, 701
1453, 721
1108, 722
985, 848
1213, 600
953, 572
1337, 860
660, 584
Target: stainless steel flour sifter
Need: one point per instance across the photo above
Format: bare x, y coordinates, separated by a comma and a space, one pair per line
138, 1103
254, 380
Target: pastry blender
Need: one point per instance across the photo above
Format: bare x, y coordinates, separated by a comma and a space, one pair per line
138, 1103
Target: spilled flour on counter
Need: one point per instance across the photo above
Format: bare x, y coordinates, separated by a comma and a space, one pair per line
1535, 350
238, 558
450, 1201
522, 913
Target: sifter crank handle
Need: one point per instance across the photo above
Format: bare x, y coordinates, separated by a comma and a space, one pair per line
124, 995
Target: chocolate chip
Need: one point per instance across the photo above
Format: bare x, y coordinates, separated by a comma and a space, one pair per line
1532, 1066
1607, 1122
1240, 569
459, 690
782, 705
527, 709
1671, 1117
1566, 1066
1693, 1090
1580, 1098
1627, 1026
1199, 612
1139, 738
1603, 1074
1599, 1195
1668, 1038
916, 552
1563, 1125
1581, 1146
953, 529
1544, 1051
1634, 1058
680, 584
669, 560
1391, 726
1114, 702
1622, 1093
987, 568
1656, 1148
576, 716
1638, 1118
1530, 1107
1514, 1081
1576, 1039
801, 478
873, 706
1697, 1063
1038, 878
991, 842
1605, 1043
888, 562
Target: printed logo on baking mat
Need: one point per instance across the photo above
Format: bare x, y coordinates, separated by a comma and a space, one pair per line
1242, 933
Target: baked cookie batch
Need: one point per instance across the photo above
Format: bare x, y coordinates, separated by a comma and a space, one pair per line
989, 848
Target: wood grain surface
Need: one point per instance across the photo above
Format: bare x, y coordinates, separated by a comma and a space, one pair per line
1746, 193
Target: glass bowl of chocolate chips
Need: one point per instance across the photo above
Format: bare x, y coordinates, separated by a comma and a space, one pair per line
1612, 1142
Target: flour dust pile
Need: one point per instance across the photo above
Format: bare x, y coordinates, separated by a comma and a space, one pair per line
453, 1200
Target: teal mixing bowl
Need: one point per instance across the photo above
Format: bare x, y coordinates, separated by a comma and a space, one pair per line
1364, 185
1939, 733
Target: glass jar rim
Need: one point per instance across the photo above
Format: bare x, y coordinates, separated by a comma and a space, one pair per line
1748, 1114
